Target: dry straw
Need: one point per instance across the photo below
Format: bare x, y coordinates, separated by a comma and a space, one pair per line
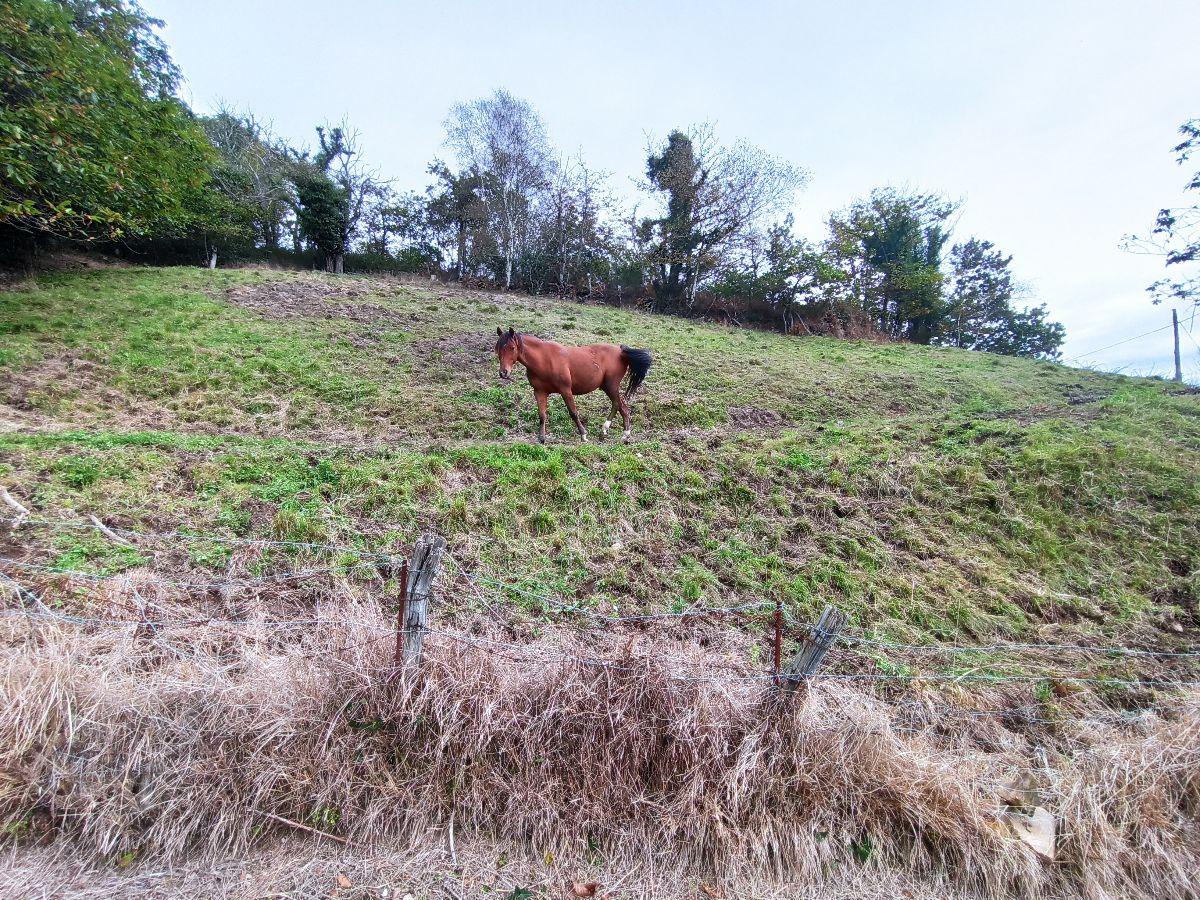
169, 742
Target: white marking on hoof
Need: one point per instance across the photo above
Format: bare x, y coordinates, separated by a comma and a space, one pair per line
583, 436
625, 437
607, 425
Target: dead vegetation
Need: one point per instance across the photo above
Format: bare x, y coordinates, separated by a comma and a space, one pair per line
307, 870
150, 744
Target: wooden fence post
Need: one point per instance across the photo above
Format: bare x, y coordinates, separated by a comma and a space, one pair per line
812, 651
401, 613
418, 591
777, 643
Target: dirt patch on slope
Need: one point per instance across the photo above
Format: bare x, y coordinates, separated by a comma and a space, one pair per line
461, 352
752, 417
312, 299
31, 395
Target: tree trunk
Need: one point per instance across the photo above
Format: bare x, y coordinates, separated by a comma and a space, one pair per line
459, 264
212, 259
339, 264
507, 272
18, 249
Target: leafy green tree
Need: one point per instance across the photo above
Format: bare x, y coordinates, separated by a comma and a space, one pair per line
333, 192
791, 274
456, 209
92, 142
676, 172
323, 215
1027, 332
891, 244
1176, 234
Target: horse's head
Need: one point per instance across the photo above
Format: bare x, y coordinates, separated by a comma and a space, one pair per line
508, 348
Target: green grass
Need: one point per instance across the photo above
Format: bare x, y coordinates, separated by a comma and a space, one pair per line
933, 494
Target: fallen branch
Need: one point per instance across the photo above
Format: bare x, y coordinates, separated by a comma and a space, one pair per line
302, 827
9, 500
110, 534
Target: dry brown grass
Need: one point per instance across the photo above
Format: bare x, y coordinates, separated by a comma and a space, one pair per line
156, 747
298, 869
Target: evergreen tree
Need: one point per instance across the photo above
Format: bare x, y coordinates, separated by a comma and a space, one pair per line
981, 289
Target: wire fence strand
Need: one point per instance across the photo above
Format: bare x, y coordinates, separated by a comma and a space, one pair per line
489, 589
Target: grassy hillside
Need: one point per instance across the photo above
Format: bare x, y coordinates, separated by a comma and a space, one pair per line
936, 496
933, 494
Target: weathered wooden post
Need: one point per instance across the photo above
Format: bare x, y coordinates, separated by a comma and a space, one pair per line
777, 644
401, 612
418, 591
812, 651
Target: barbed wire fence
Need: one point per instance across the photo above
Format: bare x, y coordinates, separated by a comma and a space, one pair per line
417, 572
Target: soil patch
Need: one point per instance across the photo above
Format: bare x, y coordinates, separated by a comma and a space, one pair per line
282, 300
750, 417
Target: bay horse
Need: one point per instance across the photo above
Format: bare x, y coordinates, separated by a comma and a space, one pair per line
567, 371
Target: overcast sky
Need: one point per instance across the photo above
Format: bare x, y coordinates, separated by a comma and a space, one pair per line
1051, 121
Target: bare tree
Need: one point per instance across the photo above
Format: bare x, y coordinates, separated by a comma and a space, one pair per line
573, 213
717, 199
502, 138
1176, 234
339, 189
260, 164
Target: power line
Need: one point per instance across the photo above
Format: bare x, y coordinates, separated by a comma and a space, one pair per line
1119, 343
1188, 330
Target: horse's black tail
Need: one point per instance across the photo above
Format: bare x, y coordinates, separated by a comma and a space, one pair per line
639, 365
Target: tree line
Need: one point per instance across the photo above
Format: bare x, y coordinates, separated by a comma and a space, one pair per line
97, 147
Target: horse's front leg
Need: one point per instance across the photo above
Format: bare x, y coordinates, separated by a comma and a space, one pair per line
543, 399
569, 399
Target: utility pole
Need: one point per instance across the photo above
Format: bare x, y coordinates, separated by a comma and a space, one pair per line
1175, 328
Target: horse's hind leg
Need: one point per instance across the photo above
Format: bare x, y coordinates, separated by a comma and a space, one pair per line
618, 406
612, 412
569, 399
613, 389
